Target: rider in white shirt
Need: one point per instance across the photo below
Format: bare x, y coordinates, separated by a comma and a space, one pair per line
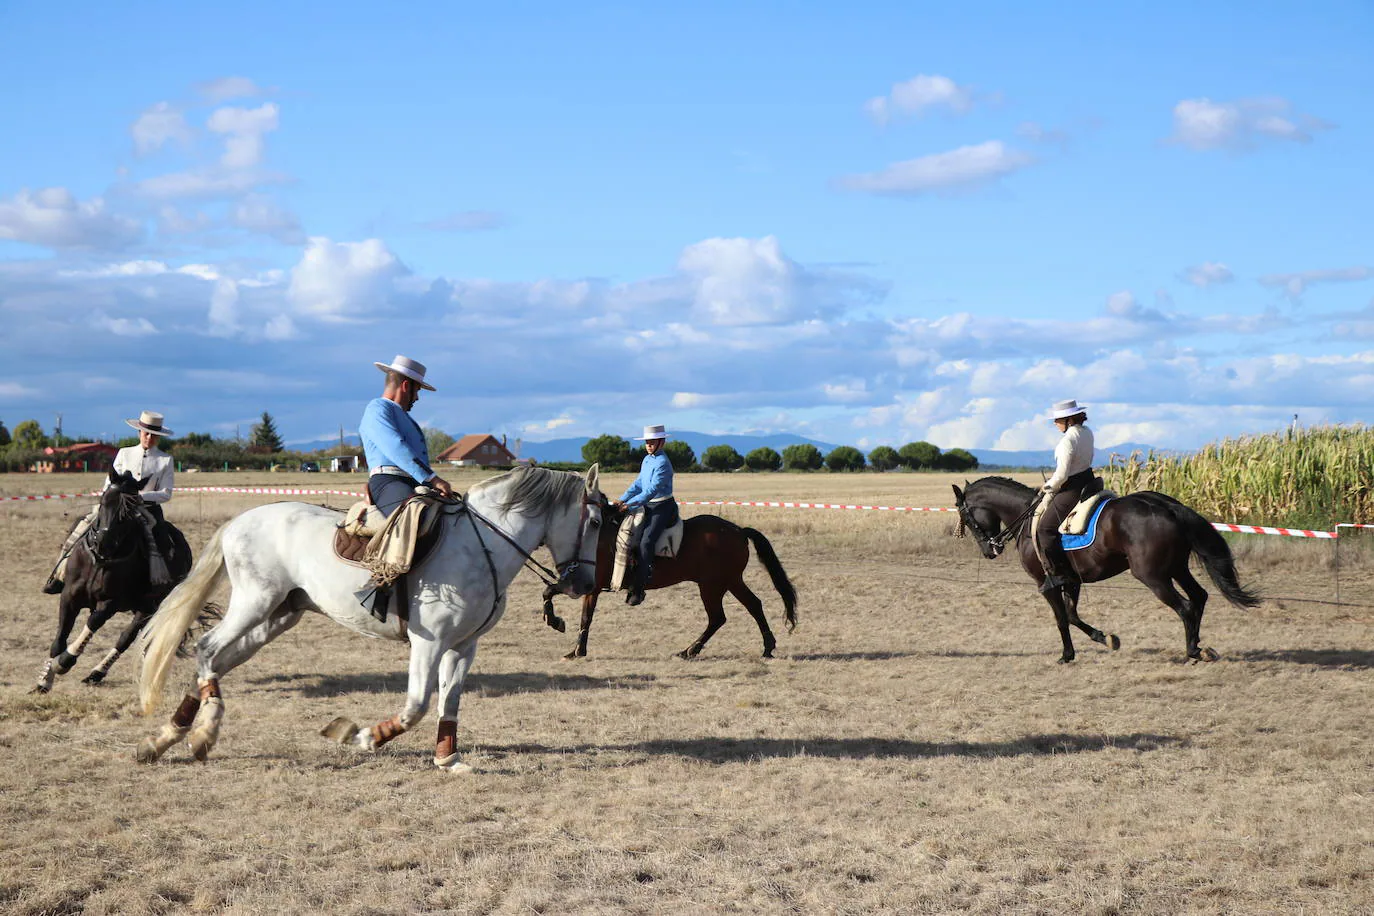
142, 460
1072, 473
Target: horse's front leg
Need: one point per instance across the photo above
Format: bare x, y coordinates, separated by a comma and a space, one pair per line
425, 652
1061, 618
585, 628
1071, 593
67, 609
453, 674
122, 644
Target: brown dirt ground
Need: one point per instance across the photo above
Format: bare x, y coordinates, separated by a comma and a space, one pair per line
914, 748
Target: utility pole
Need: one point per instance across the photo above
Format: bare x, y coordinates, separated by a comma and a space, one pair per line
57, 431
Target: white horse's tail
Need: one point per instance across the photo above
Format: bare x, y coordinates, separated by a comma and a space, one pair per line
174, 617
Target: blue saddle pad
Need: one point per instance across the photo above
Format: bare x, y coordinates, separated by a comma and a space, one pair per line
1079, 541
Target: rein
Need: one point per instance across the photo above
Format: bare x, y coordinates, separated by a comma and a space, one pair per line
95, 533
997, 542
553, 578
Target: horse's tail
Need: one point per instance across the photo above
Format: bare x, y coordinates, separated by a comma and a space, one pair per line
775, 572
1209, 547
174, 617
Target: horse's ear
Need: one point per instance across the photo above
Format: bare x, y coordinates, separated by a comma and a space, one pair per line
114, 478
593, 477
958, 493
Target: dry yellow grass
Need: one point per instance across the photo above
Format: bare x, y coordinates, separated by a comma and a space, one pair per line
915, 749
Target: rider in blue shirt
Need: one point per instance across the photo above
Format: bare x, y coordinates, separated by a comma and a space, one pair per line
652, 490
393, 443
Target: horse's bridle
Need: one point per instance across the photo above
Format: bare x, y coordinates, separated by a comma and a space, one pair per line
93, 535
557, 577
998, 542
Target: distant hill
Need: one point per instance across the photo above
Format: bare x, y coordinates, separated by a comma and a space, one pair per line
1044, 458
571, 449
317, 445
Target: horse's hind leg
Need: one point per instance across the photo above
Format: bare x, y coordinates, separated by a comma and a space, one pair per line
122, 644
453, 674
754, 606
585, 629
1192, 619
1163, 589
711, 598
1072, 591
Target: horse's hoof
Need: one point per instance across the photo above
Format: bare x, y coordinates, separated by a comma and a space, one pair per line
95, 677
1112, 642
767, 653
574, 655
1208, 654
147, 751
341, 730
200, 747
1066, 660
453, 764
40, 688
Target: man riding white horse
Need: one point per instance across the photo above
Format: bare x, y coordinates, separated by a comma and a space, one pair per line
651, 492
142, 460
393, 443
1072, 473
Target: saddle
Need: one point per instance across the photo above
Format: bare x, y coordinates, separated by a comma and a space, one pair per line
388, 547
627, 538
1078, 519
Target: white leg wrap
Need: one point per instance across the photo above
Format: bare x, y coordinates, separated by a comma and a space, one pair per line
78, 645
45, 678
205, 731
104, 667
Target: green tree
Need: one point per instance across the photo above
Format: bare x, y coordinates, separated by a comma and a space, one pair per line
680, 454
608, 451
722, 458
845, 458
884, 458
4, 436
436, 440
919, 455
805, 457
29, 435
763, 459
264, 436
957, 459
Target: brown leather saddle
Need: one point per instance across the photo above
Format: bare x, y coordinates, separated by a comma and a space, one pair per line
350, 548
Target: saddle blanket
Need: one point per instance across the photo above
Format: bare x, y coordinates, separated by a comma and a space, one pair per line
628, 537
1084, 538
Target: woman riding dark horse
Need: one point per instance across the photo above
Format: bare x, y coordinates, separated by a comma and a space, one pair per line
1149, 533
713, 554
108, 571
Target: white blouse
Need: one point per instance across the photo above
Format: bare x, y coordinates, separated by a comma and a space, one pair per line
140, 463
1073, 454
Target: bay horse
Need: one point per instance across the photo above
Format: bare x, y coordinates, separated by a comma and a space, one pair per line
1149, 533
108, 573
279, 562
713, 554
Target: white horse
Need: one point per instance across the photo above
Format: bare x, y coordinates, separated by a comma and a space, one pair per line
279, 562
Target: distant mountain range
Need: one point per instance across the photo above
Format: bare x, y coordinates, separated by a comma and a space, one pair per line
571, 449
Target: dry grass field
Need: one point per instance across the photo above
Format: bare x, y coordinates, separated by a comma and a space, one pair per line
914, 748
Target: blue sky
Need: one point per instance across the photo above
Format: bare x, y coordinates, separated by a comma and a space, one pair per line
867, 225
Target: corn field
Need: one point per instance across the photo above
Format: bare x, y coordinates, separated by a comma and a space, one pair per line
1301, 478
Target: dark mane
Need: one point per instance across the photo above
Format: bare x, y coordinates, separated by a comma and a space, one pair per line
1002, 483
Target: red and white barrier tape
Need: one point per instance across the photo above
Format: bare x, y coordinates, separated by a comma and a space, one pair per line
298, 491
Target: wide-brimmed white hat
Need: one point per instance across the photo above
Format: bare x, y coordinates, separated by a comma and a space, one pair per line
150, 421
653, 432
409, 368
1062, 409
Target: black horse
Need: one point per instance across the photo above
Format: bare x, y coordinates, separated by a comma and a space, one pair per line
713, 554
107, 573
1148, 533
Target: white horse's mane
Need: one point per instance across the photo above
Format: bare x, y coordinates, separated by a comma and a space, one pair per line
532, 489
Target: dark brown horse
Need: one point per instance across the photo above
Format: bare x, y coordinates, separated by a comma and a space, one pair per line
713, 554
1149, 533
108, 573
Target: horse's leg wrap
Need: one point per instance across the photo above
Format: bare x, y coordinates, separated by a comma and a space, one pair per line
45, 678
99, 671
205, 732
446, 749
385, 730
152, 748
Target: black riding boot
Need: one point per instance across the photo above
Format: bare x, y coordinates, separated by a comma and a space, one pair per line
636, 593
1059, 571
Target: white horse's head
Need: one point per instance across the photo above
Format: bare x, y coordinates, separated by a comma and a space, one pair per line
572, 537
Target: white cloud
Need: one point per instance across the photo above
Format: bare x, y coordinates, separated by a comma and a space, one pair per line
257, 213
124, 327
1295, 285
54, 218
960, 169
345, 280
1207, 274
224, 307
231, 87
13, 391
243, 130
919, 94
1202, 124
159, 125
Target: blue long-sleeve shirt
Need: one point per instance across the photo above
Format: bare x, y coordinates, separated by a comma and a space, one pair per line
391, 437
655, 481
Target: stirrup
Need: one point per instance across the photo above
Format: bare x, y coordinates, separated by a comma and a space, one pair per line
1052, 583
